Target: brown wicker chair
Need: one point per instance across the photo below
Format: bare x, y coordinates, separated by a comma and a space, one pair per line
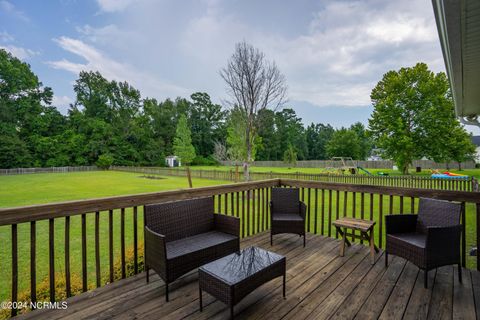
429, 239
183, 235
287, 213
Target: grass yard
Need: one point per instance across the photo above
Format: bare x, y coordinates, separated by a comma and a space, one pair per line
21, 190
28, 189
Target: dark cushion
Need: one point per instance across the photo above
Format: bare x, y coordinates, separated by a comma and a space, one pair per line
199, 242
414, 239
286, 217
411, 246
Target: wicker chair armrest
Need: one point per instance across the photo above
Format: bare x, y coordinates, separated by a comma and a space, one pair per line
155, 247
303, 209
400, 223
444, 240
227, 224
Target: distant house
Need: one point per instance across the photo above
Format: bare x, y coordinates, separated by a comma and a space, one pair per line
476, 142
173, 161
375, 155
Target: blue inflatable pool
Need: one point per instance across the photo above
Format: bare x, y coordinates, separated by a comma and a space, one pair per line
446, 176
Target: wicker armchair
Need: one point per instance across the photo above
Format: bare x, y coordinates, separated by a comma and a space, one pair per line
287, 213
429, 239
183, 235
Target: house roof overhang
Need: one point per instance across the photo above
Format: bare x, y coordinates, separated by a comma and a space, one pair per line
458, 24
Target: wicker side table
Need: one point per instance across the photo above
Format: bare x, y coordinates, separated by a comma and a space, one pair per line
232, 277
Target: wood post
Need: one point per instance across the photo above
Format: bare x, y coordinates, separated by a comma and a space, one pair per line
189, 177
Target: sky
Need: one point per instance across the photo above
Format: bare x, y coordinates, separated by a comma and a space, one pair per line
332, 53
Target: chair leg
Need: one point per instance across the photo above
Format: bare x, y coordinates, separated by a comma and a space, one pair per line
147, 269
425, 279
271, 239
386, 259
166, 291
460, 272
304, 240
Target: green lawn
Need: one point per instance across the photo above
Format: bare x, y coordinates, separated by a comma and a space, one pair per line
21, 190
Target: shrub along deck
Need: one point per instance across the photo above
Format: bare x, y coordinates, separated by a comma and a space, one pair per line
320, 285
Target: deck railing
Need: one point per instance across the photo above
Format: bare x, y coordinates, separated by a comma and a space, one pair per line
425, 182
51, 229
46, 239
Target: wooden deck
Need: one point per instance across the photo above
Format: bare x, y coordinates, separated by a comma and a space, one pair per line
320, 285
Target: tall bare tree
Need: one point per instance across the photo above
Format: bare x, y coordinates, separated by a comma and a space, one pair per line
253, 84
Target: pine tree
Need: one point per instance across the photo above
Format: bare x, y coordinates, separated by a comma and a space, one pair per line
182, 143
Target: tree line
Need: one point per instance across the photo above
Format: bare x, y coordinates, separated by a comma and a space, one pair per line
112, 119
110, 123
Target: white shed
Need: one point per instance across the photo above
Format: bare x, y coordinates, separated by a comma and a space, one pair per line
173, 161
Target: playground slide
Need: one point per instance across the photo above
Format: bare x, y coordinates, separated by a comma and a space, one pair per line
364, 170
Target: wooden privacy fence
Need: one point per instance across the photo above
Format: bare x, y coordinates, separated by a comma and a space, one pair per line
32, 230
4, 172
424, 182
367, 164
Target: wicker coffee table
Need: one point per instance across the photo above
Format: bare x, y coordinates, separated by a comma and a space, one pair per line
231, 278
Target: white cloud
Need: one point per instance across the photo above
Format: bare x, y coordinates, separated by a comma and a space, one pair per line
9, 8
61, 101
6, 37
333, 56
114, 5
19, 52
95, 60
346, 49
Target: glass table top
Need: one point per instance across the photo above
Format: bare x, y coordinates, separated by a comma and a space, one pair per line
241, 265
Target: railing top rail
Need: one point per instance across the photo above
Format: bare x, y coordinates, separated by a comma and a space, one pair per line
462, 196
62, 209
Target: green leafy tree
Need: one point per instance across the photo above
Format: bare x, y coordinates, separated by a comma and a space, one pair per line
13, 152
104, 162
460, 146
236, 147
413, 110
290, 156
29, 125
363, 139
269, 148
163, 118
290, 131
207, 122
344, 143
317, 137
182, 143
